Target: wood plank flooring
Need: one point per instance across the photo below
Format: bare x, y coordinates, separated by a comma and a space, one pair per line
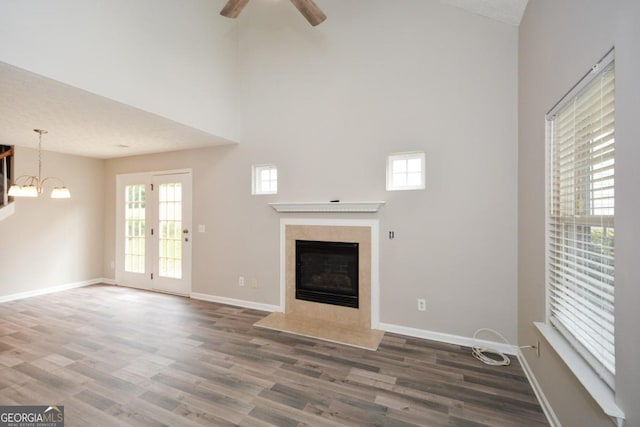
121, 357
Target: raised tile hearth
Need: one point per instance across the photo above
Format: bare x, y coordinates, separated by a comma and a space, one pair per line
366, 338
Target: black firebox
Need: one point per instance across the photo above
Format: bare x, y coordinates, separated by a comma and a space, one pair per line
327, 272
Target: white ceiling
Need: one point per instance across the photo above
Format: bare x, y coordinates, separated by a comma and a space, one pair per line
86, 124
82, 123
507, 11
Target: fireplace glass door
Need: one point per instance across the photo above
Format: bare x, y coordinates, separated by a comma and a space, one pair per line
327, 272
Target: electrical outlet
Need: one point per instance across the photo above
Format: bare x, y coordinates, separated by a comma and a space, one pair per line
254, 283
422, 304
241, 281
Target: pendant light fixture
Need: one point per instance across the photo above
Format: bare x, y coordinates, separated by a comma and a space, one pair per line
33, 186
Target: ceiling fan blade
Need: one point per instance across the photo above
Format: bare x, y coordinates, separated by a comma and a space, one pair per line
233, 8
310, 10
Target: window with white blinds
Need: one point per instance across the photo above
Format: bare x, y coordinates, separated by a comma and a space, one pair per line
580, 218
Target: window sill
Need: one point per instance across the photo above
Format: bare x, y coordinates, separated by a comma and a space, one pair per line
415, 187
7, 211
595, 386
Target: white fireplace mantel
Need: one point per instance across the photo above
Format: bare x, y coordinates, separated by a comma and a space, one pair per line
327, 206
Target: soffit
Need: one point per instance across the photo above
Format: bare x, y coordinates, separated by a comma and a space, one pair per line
83, 123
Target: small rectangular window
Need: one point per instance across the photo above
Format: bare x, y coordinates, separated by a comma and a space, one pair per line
405, 171
265, 179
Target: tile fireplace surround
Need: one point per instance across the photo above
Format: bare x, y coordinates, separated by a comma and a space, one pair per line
352, 326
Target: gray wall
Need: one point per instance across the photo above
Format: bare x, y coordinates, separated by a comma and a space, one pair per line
559, 42
50, 242
327, 105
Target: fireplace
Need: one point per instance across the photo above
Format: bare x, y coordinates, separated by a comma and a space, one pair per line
356, 326
327, 272
361, 232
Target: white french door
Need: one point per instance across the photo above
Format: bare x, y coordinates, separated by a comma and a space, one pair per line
154, 231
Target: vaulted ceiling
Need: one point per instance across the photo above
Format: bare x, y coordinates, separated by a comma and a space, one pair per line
84, 123
507, 11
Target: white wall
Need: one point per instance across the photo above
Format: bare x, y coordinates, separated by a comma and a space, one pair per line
48, 242
559, 42
169, 57
326, 105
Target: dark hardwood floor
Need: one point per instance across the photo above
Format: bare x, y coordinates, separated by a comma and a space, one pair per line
115, 356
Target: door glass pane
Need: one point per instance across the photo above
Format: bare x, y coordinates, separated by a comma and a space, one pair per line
170, 223
134, 214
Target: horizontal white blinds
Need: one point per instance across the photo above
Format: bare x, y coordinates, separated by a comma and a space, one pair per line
580, 229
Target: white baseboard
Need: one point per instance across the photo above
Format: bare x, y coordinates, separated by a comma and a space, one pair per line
237, 302
448, 338
52, 289
542, 399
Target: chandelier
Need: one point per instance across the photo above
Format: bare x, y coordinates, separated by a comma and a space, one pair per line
33, 186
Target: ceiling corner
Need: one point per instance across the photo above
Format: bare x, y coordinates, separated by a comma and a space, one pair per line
506, 11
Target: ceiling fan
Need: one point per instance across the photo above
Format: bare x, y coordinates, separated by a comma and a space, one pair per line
307, 8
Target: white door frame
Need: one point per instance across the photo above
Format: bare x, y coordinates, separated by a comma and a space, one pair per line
138, 280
